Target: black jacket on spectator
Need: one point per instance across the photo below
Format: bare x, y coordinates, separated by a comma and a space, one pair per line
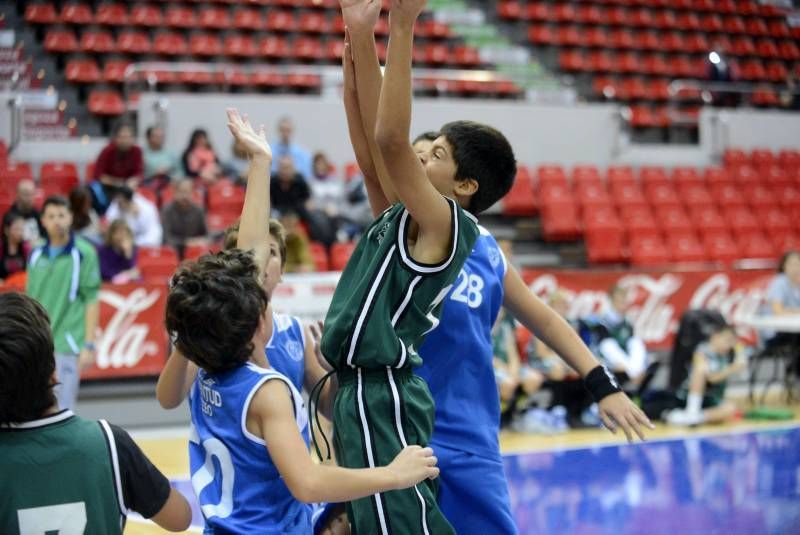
291, 196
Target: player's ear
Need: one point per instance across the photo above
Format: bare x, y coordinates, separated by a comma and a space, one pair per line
466, 187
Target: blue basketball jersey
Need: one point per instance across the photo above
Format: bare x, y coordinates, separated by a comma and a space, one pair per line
457, 355
237, 485
286, 352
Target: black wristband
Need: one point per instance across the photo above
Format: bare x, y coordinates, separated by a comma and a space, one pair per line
601, 383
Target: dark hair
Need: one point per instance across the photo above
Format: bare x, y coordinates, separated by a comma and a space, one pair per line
718, 327
197, 133
9, 220
150, 130
55, 200
426, 136
276, 230
120, 126
214, 308
80, 204
485, 155
785, 258
26, 359
125, 192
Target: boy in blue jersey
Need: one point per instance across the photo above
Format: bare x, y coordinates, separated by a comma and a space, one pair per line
457, 356
250, 467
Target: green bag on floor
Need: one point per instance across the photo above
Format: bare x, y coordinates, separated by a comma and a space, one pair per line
768, 413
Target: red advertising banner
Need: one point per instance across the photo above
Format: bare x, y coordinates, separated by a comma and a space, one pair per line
658, 299
132, 341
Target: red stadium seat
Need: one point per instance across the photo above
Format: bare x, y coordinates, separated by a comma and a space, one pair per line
247, 19
696, 196
241, 46
82, 71
320, 256
628, 195
789, 50
521, 199
560, 221
217, 222
741, 220
193, 252
281, 21
134, 42
180, 17
467, 56
686, 176
224, 196
586, 174
205, 45
775, 221
509, 10
157, 262
548, 175
568, 36
146, 15
114, 71
541, 35
789, 159
98, 42
648, 251
307, 49
591, 15
274, 47
340, 254
108, 103
170, 44
334, 49
759, 196
312, 22
592, 194
619, 175
727, 195
674, 221
662, 195
79, 14
111, 15
572, 61
743, 46
214, 18
62, 176
539, 11
595, 37
40, 14
708, 219
686, 249
745, 175
766, 48
639, 223
722, 248
606, 250
60, 41
13, 172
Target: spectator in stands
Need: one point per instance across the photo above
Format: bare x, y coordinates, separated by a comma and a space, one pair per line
301, 158
619, 347
160, 163
540, 356
85, 221
63, 275
359, 212
200, 160
298, 249
61, 473
719, 70
184, 221
119, 164
509, 371
289, 192
236, 167
790, 96
24, 205
327, 190
702, 394
118, 254
14, 250
783, 298
140, 214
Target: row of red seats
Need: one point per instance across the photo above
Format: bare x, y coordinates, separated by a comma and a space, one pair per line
787, 159
696, 43
658, 65
768, 23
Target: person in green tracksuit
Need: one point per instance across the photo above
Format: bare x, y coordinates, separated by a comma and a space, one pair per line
391, 291
61, 473
64, 276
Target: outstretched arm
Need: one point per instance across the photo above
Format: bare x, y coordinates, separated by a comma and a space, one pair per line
254, 223
427, 206
175, 380
537, 317
378, 201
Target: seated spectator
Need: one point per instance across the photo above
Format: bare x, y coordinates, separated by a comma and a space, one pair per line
783, 298
119, 164
702, 394
358, 210
25, 207
509, 372
327, 190
544, 359
298, 248
199, 159
141, 216
621, 350
184, 221
118, 254
790, 94
238, 164
289, 192
301, 158
62, 473
85, 221
14, 250
160, 164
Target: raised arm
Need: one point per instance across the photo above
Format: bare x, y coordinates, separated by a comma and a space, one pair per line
358, 139
271, 416
175, 380
254, 223
427, 206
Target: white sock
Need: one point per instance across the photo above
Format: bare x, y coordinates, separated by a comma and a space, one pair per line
694, 403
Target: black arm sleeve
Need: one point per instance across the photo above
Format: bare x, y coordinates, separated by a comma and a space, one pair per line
144, 488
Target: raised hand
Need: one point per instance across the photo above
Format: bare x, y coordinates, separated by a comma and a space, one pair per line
360, 16
406, 12
255, 143
617, 410
412, 465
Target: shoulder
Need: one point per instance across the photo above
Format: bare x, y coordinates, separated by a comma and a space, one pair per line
283, 322
85, 248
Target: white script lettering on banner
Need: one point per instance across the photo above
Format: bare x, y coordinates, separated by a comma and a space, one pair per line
124, 343
736, 305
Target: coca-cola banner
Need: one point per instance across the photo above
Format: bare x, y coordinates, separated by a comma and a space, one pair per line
657, 299
132, 340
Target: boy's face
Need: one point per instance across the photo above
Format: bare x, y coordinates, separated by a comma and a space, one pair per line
273, 271
619, 299
57, 221
440, 166
423, 146
723, 341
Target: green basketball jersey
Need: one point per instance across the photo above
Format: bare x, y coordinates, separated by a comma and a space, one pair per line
385, 301
58, 477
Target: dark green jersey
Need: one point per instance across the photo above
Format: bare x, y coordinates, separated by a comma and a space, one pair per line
63, 474
386, 302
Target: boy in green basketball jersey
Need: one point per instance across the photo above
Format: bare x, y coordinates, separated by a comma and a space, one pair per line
60, 473
390, 293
